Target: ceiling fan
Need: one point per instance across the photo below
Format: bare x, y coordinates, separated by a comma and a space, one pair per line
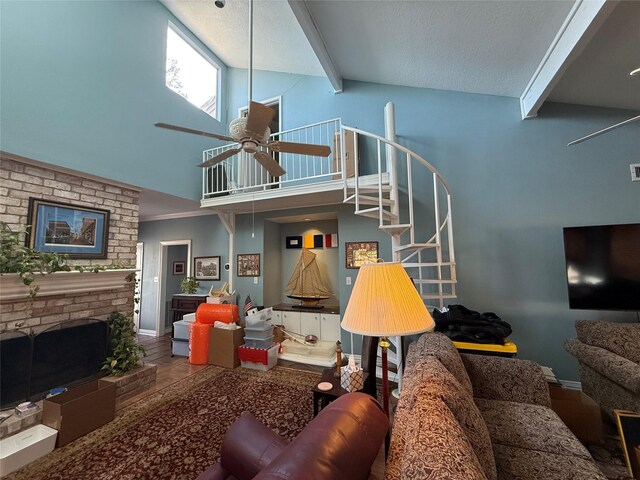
252, 132
611, 127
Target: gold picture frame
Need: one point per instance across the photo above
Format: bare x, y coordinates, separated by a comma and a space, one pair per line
359, 253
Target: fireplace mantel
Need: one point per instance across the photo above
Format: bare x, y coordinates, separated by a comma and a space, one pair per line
63, 283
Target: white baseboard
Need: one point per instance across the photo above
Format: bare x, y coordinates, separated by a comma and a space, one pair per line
573, 385
149, 333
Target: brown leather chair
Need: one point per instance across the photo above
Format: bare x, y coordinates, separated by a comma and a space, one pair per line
341, 443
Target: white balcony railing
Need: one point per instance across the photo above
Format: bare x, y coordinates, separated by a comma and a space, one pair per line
241, 173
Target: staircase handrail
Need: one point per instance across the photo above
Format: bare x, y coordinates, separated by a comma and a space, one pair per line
402, 149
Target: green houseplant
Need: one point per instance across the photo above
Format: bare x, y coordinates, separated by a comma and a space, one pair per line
124, 351
189, 285
15, 257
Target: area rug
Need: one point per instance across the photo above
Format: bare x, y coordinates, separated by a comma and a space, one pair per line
177, 433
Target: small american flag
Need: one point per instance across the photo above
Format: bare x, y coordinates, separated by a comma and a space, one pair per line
248, 304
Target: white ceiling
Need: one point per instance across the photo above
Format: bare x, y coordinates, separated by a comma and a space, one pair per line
279, 43
490, 47
156, 204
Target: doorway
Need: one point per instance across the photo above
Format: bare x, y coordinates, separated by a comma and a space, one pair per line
174, 265
137, 294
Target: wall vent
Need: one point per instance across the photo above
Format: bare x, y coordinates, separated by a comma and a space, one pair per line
635, 172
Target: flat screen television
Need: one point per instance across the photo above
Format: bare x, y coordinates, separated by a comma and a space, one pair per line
603, 267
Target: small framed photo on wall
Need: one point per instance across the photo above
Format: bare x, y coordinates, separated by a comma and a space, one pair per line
249, 265
206, 268
359, 253
178, 268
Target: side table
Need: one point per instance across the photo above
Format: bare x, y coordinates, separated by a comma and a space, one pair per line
322, 398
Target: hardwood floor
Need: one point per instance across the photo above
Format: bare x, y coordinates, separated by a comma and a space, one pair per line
170, 369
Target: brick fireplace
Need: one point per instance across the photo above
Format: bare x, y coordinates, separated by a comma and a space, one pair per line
21, 179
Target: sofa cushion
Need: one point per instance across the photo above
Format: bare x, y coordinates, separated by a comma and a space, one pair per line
521, 464
428, 443
509, 379
439, 346
614, 367
532, 427
433, 380
620, 338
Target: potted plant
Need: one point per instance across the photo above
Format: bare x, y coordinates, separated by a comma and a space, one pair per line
124, 351
189, 285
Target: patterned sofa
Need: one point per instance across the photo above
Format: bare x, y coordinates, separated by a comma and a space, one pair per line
479, 417
609, 357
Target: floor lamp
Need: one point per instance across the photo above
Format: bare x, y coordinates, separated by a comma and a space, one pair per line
385, 303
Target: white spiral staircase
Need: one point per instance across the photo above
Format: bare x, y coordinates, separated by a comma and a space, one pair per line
412, 203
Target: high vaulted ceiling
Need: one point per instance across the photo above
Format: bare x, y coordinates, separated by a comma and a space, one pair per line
490, 47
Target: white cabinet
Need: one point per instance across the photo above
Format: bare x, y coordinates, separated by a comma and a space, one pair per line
291, 321
330, 327
310, 324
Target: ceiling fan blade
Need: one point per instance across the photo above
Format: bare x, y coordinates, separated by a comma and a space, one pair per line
604, 130
259, 118
269, 164
178, 128
301, 148
218, 158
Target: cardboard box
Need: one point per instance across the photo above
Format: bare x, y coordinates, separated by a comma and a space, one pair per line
80, 410
222, 347
579, 412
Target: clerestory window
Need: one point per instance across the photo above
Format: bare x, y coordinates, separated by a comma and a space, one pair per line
190, 73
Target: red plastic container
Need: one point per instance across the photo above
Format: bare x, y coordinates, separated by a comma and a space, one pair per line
210, 313
199, 343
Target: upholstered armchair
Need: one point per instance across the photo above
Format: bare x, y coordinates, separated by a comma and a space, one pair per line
609, 357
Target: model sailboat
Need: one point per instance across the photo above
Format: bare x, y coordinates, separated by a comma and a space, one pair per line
306, 283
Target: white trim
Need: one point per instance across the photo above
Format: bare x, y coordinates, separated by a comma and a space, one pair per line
171, 216
583, 21
311, 31
162, 273
148, 333
62, 283
139, 266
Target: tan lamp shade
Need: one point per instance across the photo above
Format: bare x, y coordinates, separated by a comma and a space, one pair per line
385, 303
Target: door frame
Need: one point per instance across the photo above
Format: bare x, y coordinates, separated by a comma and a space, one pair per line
162, 273
138, 288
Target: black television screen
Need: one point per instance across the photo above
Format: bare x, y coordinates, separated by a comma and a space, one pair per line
603, 267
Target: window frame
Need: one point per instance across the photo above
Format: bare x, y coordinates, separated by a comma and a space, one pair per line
206, 56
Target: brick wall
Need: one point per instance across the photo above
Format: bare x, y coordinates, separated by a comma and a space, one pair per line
21, 180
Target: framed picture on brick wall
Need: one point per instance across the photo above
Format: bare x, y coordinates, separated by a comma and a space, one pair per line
78, 231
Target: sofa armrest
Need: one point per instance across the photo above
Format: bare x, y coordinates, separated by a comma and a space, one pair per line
620, 370
247, 447
509, 379
341, 443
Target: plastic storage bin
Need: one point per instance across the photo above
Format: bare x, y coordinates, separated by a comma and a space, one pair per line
180, 347
25, 447
258, 342
259, 332
258, 358
181, 329
259, 318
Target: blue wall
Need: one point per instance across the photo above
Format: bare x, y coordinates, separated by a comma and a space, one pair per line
514, 183
82, 85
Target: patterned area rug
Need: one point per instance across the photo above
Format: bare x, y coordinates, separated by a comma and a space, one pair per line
177, 433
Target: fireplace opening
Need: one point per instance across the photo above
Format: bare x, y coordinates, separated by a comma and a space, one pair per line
64, 355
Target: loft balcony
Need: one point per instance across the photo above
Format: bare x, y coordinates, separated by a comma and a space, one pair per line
240, 184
